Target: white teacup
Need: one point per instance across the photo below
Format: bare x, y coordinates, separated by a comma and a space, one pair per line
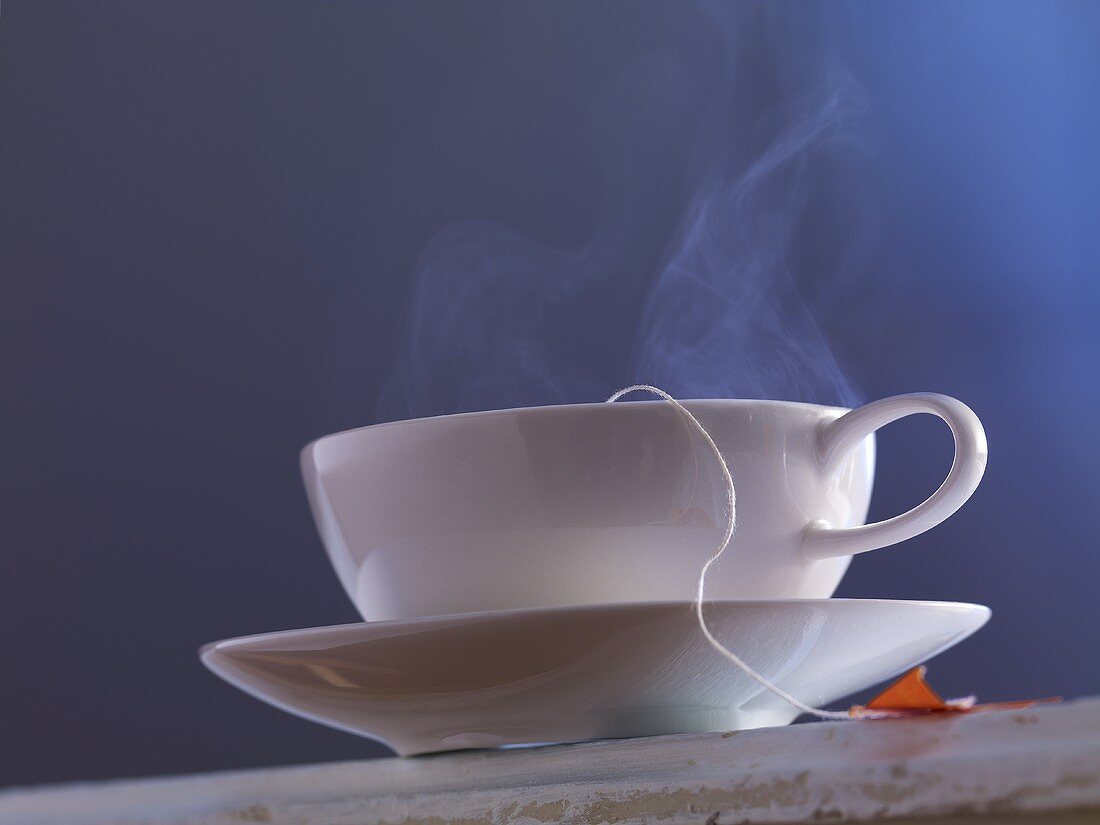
595, 503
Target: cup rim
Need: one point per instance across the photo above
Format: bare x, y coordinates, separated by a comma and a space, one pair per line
547, 408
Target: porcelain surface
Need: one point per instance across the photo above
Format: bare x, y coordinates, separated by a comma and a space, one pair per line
577, 673
600, 503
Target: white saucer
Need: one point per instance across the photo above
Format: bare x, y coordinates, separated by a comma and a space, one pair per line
592, 672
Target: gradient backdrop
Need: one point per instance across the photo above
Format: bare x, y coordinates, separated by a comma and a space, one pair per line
213, 214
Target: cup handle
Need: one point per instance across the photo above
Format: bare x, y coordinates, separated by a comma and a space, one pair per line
839, 437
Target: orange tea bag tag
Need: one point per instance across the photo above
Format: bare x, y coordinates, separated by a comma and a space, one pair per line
910, 692
911, 695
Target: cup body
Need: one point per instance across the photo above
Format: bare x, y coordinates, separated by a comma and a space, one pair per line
581, 504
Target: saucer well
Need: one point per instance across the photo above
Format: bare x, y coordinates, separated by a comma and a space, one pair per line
584, 672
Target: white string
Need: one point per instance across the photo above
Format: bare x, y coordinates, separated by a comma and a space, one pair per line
727, 536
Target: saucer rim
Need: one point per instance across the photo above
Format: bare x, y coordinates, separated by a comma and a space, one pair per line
966, 607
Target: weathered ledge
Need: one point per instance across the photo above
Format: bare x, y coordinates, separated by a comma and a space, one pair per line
1039, 765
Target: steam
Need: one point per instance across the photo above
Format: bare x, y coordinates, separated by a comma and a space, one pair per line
725, 316
693, 286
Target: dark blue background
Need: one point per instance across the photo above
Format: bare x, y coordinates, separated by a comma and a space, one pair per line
211, 217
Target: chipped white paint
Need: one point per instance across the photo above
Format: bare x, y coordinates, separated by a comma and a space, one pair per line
1043, 762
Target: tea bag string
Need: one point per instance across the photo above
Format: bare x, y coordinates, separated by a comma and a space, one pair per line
727, 537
